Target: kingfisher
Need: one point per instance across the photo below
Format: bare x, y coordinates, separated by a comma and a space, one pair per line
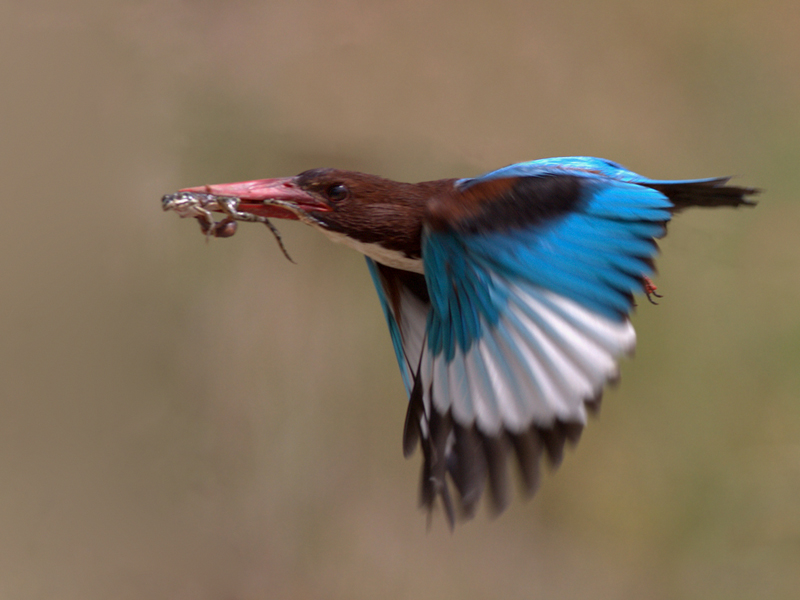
507, 296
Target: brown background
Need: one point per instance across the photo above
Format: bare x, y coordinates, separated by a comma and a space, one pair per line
190, 420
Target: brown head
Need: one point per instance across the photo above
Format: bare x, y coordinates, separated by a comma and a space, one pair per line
366, 212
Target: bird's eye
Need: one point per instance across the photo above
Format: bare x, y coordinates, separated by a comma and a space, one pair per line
337, 192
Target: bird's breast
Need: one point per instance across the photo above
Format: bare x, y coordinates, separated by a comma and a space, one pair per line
377, 252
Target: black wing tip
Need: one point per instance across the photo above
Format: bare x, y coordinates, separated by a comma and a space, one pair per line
496, 453
743, 194
474, 461
710, 194
412, 433
749, 202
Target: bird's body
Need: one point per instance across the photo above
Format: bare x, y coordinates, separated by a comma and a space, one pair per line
507, 297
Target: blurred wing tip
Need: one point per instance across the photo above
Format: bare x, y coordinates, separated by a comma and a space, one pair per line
484, 462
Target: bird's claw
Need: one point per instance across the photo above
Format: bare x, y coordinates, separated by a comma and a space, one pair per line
650, 290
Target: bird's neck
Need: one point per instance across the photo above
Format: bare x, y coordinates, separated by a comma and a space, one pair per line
398, 259
388, 231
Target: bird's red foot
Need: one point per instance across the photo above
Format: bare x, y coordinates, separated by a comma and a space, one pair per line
650, 289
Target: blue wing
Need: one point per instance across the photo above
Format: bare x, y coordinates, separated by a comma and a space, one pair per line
528, 322
405, 305
530, 272
587, 166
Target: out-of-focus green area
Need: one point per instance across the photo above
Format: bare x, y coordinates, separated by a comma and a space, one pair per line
192, 420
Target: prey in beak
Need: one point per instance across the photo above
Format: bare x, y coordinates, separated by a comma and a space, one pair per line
250, 201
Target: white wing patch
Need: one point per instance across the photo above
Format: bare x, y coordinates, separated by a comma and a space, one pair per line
539, 363
411, 321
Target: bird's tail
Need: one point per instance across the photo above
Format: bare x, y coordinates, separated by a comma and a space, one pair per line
704, 192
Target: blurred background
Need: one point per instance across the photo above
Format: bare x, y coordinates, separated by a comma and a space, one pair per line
182, 419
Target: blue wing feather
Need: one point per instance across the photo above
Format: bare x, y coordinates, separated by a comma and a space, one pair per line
585, 166
595, 256
593, 251
394, 329
529, 286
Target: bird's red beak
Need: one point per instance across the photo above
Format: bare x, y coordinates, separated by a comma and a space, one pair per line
280, 198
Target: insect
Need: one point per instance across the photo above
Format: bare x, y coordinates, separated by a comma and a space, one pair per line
200, 206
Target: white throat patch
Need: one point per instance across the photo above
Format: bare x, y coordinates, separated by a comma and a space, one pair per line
390, 258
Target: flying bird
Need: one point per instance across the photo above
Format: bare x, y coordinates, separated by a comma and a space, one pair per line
507, 296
